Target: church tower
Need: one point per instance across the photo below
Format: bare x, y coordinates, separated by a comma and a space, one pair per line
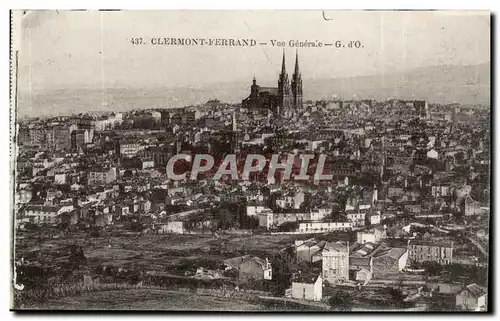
284, 98
297, 85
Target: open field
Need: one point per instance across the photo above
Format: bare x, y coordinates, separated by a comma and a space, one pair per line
154, 300
148, 252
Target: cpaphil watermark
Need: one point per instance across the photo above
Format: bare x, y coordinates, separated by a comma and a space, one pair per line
248, 167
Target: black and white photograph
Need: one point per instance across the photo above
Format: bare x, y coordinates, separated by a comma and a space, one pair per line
250, 161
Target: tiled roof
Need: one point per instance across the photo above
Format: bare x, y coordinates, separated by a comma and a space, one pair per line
307, 278
360, 261
44, 208
476, 290
339, 246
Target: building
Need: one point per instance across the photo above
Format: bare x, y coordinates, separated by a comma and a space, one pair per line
102, 176
108, 122
277, 99
431, 251
159, 155
335, 262
291, 201
322, 226
472, 297
103, 219
471, 207
174, 227
255, 268
79, 138
59, 137
374, 218
130, 149
269, 219
389, 262
39, 214
358, 218
374, 235
307, 287
254, 210
360, 268
308, 251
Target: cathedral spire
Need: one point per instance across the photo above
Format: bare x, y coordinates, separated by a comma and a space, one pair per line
296, 72
284, 97
283, 67
297, 84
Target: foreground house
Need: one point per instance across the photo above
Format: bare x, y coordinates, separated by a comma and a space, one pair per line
389, 262
361, 268
309, 251
472, 297
335, 262
172, 227
255, 268
431, 251
307, 287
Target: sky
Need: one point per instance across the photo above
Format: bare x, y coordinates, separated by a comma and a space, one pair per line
91, 49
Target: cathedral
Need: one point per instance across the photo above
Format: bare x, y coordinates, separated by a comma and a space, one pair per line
287, 96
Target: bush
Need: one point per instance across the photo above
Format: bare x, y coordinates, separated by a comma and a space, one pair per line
340, 301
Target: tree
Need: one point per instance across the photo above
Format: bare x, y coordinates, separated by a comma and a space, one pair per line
282, 276
396, 295
76, 256
340, 301
432, 268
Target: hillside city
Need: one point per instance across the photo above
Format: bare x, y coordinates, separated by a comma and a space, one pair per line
388, 207
403, 224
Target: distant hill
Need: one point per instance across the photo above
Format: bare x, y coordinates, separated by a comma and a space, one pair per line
440, 84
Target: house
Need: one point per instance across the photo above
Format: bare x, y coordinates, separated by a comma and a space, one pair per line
431, 251
173, 227
472, 297
122, 210
374, 218
254, 210
101, 176
235, 262
319, 214
39, 214
72, 217
202, 273
322, 226
374, 235
361, 268
413, 208
255, 268
291, 201
471, 207
395, 192
307, 287
389, 262
266, 218
432, 154
448, 288
103, 219
306, 251
356, 217
335, 261
361, 261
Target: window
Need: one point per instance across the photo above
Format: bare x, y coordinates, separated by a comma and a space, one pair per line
304, 293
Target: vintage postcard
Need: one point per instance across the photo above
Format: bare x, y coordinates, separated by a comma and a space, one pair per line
250, 160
